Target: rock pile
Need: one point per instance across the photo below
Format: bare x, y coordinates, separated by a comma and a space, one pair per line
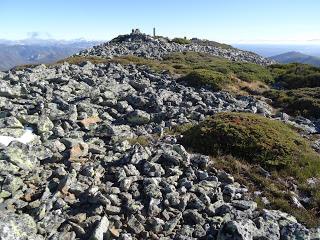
101, 164
143, 45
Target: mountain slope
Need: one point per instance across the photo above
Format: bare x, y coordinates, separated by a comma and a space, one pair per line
297, 57
105, 160
34, 52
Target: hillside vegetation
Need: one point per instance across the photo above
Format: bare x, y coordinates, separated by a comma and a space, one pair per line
303, 101
296, 75
250, 142
181, 40
298, 89
200, 69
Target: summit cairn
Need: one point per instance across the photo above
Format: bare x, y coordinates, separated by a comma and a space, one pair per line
135, 31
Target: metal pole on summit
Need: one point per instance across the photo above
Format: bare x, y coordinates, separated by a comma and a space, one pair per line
154, 32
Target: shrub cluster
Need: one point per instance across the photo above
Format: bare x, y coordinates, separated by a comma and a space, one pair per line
298, 102
181, 41
203, 77
296, 75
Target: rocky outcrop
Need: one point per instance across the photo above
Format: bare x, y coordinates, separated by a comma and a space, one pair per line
143, 45
86, 175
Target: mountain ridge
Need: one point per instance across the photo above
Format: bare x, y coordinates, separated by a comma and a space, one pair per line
297, 57
37, 51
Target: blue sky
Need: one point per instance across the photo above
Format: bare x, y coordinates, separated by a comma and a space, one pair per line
228, 21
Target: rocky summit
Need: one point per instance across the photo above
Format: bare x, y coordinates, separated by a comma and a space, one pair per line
102, 161
143, 45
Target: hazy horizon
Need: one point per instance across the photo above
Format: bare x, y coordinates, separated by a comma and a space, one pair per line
40, 36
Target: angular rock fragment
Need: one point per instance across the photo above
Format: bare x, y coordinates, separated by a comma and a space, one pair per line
101, 229
138, 117
17, 227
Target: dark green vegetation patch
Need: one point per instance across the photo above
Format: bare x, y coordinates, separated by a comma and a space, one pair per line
203, 77
201, 69
299, 89
296, 75
188, 61
181, 41
303, 101
257, 139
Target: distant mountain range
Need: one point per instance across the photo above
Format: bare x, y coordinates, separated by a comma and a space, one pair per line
269, 50
297, 57
34, 51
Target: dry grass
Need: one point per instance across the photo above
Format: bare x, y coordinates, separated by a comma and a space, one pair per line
81, 59
275, 189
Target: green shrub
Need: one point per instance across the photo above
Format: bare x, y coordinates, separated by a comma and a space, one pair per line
303, 101
203, 77
248, 72
256, 139
296, 75
181, 41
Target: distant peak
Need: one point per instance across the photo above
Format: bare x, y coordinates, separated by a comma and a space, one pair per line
293, 52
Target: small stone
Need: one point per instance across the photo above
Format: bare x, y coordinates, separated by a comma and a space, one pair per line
193, 217
156, 224
11, 184
244, 229
87, 122
154, 208
244, 205
114, 232
78, 151
15, 227
172, 223
139, 117
101, 229
225, 177
153, 169
112, 210
12, 122
44, 124
135, 225
19, 154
